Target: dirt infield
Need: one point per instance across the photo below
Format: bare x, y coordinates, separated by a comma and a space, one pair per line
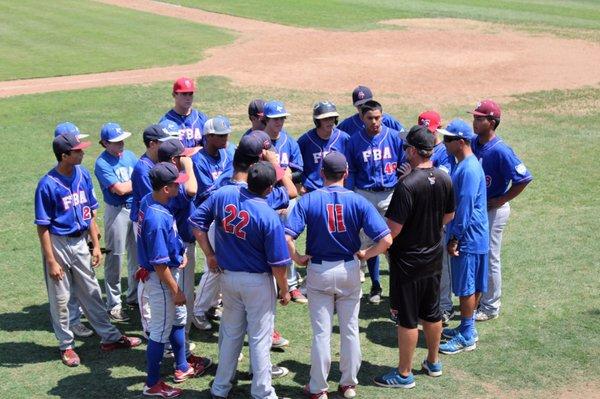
421, 60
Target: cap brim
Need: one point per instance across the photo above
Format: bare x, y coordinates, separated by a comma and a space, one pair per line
477, 113
82, 136
162, 139
361, 102
82, 145
120, 138
182, 178
188, 152
278, 115
444, 132
219, 133
327, 115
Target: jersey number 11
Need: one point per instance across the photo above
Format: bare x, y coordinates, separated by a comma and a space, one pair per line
335, 218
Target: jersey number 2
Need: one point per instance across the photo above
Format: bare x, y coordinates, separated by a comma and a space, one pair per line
335, 218
237, 228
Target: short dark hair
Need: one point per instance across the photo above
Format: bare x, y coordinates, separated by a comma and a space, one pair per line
333, 176
242, 162
148, 141
370, 105
59, 155
495, 120
425, 153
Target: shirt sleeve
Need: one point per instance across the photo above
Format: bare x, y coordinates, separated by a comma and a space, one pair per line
105, 174
91, 193
44, 207
350, 180
296, 155
278, 198
203, 216
514, 169
156, 237
372, 223
275, 245
401, 204
465, 191
296, 220
393, 123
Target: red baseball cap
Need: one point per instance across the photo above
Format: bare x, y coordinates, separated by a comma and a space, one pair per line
486, 108
431, 120
184, 85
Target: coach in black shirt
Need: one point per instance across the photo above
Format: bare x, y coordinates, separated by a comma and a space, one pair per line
423, 201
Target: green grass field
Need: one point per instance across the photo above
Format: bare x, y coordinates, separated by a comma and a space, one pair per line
551, 305
545, 15
66, 37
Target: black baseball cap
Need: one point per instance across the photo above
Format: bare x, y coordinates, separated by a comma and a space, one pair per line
68, 142
420, 138
361, 95
261, 175
256, 107
156, 133
173, 148
253, 143
335, 162
164, 173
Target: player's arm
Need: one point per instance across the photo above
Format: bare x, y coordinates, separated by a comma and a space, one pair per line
94, 234
512, 193
55, 271
121, 188
165, 276
301, 260
286, 181
378, 248
209, 253
191, 185
280, 274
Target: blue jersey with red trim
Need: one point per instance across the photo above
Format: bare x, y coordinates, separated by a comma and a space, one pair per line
313, 148
353, 124
210, 171
140, 183
65, 203
288, 152
334, 217
247, 229
191, 126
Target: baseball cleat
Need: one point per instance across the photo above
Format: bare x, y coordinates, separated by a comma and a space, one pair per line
201, 323
124, 342
394, 379
450, 333
162, 390
278, 340
79, 330
347, 391
297, 296
375, 296
310, 395
117, 314
279, 371
482, 316
69, 358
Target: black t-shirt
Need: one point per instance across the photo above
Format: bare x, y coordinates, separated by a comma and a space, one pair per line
419, 203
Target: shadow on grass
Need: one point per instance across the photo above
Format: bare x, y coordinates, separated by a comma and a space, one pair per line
31, 318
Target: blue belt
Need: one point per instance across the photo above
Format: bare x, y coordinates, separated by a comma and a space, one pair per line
319, 260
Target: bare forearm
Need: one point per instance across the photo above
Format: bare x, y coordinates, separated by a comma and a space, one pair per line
203, 243
280, 274
45, 243
122, 188
379, 247
164, 274
94, 232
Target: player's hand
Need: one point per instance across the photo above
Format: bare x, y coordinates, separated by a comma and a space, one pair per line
212, 263
284, 297
186, 163
361, 254
404, 169
452, 248
179, 298
270, 156
54, 270
302, 260
183, 262
494, 203
96, 256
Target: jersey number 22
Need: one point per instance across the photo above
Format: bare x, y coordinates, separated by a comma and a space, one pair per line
235, 228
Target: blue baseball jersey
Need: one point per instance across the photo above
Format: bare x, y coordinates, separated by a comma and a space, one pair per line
334, 217
277, 199
182, 207
353, 124
372, 161
247, 229
158, 242
191, 126
140, 182
441, 159
500, 165
110, 170
313, 148
65, 203
470, 223
209, 170
288, 152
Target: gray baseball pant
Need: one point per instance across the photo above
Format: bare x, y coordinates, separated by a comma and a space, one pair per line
209, 287
292, 273
446, 280
187, 280
248, 306
73, 255
490, 300
164, 313
119, 236
334, 285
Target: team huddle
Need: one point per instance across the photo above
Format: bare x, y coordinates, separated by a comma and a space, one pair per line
433, 199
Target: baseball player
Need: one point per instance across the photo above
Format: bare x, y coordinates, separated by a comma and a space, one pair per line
354, 124
161, 254
506, 177
318, 142
334, 217
256, 252
289, 155
468, 241
423, 202
65, 205
373, 156
77, 327
113, 170
190, 120
256, 115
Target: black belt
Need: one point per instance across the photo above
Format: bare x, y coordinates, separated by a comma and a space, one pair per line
77, 234
316, 259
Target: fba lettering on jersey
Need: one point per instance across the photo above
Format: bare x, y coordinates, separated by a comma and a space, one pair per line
377, 154
318, 156
74, 199
190, 134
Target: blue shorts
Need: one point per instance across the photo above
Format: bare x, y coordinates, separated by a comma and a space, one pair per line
469, 273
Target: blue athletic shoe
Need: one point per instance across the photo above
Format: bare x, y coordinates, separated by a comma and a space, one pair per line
393, 379
450, 333
432, 369
458, 344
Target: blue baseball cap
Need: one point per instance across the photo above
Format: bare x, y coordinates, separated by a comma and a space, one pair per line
218, 125
68, 127
458, 128
172, 127
112, 132
275, 109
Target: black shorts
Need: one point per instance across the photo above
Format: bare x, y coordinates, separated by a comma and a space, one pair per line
417, 299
